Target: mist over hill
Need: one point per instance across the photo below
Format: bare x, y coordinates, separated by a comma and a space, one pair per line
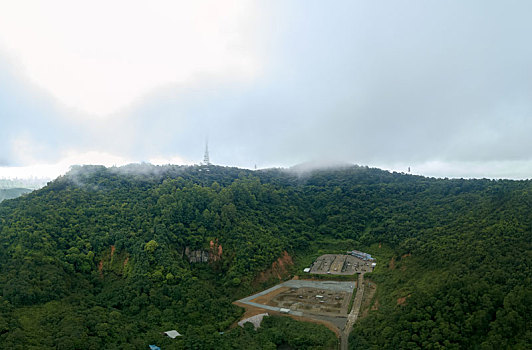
13, 188
10, 193
97, 258
29, 183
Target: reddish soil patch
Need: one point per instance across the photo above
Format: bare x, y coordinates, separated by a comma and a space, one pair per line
112, 251
380, 245
375, 305
406, 255
284, 259
392, 264
277, 270
265, 299
402, 301
126, 261
100, 268
216, 250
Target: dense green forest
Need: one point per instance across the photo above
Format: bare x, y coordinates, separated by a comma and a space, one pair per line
97, 257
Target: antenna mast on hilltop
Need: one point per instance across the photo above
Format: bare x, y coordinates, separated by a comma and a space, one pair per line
206, 160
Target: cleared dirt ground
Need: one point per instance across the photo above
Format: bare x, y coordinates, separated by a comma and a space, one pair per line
322, 302
313, 300
266, 298
253, 310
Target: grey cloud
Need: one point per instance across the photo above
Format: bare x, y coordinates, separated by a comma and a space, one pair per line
30, 115
364, 82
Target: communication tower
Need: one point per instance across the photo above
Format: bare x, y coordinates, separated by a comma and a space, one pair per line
206, 160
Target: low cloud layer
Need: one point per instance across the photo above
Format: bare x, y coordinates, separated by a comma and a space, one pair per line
445, 88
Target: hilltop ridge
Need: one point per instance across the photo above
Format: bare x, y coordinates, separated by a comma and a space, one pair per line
97, 257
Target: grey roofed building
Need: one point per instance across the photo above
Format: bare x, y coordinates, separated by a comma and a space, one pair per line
361, 255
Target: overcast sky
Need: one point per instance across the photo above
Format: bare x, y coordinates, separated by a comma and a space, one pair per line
443, 87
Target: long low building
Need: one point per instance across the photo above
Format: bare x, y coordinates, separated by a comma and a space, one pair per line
361, 255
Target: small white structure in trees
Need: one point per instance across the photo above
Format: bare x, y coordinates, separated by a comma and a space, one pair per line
172, 334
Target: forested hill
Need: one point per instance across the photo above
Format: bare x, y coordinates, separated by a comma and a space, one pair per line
10, 193
97, 257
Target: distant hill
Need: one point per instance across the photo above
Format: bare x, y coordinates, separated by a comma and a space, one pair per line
10, 193
31, 183
96, 258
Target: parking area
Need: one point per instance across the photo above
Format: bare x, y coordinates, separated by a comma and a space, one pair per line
341, 264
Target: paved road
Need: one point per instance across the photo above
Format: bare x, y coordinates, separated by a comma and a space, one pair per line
353, 315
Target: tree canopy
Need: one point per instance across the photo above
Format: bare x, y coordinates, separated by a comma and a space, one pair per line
99, 257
